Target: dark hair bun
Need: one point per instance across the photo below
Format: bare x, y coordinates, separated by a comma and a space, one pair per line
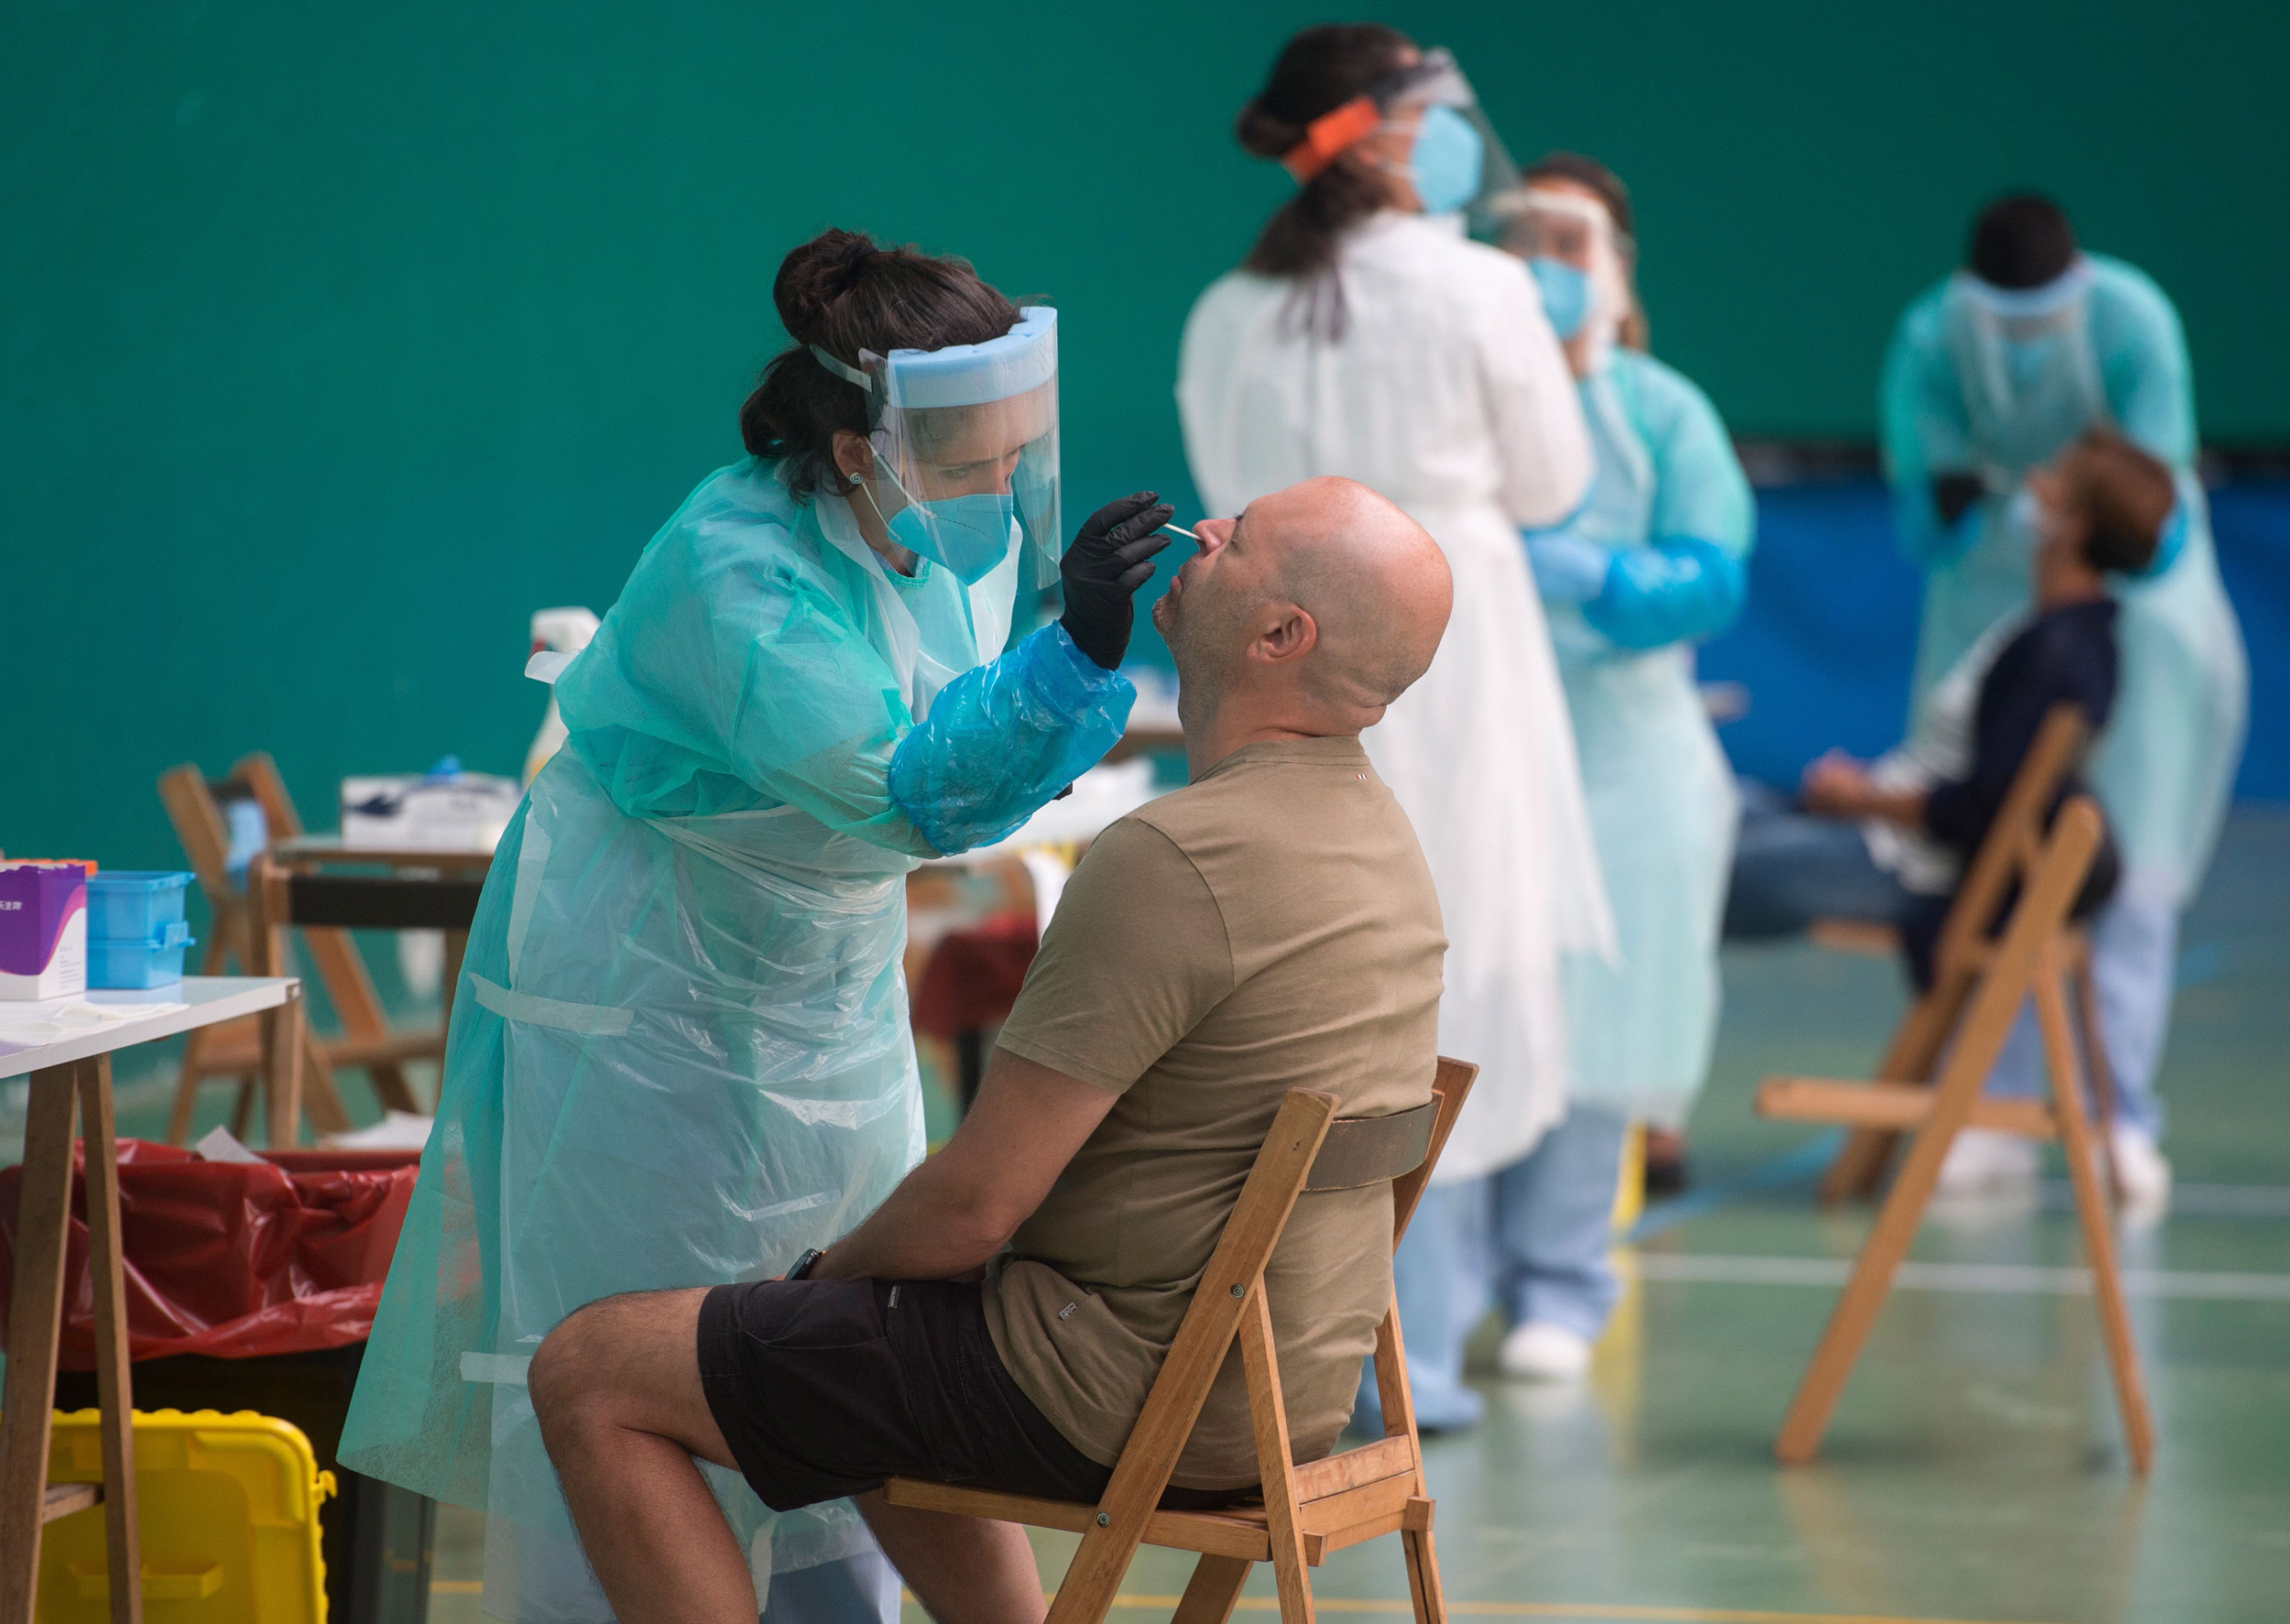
814, 276
1264, 135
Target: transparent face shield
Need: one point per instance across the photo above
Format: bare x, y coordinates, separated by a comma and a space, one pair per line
1408, 97
965, 450
2032, 354
1570, 243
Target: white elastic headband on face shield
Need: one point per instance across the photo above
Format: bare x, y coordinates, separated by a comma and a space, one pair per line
1024, 358
2028, 304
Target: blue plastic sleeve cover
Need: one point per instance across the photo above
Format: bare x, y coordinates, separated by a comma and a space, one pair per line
1674, 589
1002, 739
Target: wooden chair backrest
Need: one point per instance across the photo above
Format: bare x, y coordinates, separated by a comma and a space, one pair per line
199, 826
2015, 839
1237, 1267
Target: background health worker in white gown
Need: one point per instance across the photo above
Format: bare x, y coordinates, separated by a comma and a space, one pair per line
1991, 372
1366, 336
1651, 565
679, 1054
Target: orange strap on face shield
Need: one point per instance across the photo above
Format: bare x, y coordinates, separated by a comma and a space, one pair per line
1329, 134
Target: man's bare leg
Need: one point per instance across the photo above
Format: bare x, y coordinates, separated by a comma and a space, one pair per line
617, 1388
964, 1570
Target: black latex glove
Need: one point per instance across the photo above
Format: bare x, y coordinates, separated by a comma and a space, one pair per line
1110, 559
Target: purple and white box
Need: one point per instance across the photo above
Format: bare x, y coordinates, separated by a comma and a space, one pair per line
43, 930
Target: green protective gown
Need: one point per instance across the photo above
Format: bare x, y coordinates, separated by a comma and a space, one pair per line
1957, 397
679, 1051
1660, 794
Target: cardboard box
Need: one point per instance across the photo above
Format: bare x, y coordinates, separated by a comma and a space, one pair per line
43, 930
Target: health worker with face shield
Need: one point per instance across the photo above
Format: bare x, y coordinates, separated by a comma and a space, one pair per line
1652, 564
680, 1052
1366, 336
1990, 374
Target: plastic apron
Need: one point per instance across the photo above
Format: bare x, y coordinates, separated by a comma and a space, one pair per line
2164, 768
1663, 810
679, 1057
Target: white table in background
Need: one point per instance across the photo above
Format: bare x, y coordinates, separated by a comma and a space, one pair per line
76, 1067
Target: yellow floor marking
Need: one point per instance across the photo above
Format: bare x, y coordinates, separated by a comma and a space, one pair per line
1482, 1610
1546, 1610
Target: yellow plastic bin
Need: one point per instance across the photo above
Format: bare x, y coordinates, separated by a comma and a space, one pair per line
227, 1508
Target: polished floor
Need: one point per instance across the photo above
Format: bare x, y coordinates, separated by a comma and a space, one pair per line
1975, 1470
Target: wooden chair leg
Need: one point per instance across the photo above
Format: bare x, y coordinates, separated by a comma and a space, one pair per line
1858, 1168
320, 1098
1423, 1589
2091, 1212
1260, 1366
1895, 1228
2096, 1062
242, 1111
34, 1321
189, 1077
114, 1391
282, 1052
1209, 1597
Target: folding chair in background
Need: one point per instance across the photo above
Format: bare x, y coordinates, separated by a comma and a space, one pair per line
2033, 957
2004, 859
195, 804
1308, 1510
279, 898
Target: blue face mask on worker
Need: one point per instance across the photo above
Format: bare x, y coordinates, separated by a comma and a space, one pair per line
968, 534
1565, 293
1445, 164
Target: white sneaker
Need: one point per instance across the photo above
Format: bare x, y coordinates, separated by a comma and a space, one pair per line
1536, 1351
1982, 1160
2140, 1167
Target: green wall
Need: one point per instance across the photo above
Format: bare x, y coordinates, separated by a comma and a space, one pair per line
334, 340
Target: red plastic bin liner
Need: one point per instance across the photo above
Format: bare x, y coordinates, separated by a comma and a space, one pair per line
231, 1259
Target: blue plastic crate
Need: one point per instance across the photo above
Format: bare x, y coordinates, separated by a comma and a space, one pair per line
156, 960
130, 905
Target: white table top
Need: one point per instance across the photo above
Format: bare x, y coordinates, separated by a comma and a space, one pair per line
201, 1000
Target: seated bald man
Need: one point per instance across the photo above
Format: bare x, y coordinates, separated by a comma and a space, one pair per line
1270, 926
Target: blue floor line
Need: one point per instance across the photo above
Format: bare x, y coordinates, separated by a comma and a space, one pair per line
1791, 1167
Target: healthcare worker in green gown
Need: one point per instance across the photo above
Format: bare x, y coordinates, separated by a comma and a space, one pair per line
679, 1051
1991, 372
1651, 563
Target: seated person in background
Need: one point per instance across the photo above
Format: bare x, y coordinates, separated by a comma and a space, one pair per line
1271, 925
1887, 844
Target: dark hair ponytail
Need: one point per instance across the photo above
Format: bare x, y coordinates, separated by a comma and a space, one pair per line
1317, 71
844, 293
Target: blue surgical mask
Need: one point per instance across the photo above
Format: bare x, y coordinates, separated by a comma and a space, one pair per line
1446, 160
968, 535
1565, 293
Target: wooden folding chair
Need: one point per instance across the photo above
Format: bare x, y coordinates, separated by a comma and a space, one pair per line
2031, 958
1308, 1510
2005, 857
368, 1042
279, 898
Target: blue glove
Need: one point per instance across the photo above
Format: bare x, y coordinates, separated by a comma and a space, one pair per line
1004, 739
1675, 589
1568, 569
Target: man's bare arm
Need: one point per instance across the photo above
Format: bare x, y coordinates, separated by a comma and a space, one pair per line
952, 1213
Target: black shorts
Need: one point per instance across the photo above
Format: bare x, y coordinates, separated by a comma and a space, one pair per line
823, 1387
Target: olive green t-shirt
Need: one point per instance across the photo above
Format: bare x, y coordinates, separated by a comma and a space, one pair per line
1270, 927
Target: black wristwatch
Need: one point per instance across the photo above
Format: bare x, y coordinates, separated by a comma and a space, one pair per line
806, 1264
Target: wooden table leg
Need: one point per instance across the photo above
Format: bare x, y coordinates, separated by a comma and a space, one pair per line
34, 1321
282, 1071
114, 1391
